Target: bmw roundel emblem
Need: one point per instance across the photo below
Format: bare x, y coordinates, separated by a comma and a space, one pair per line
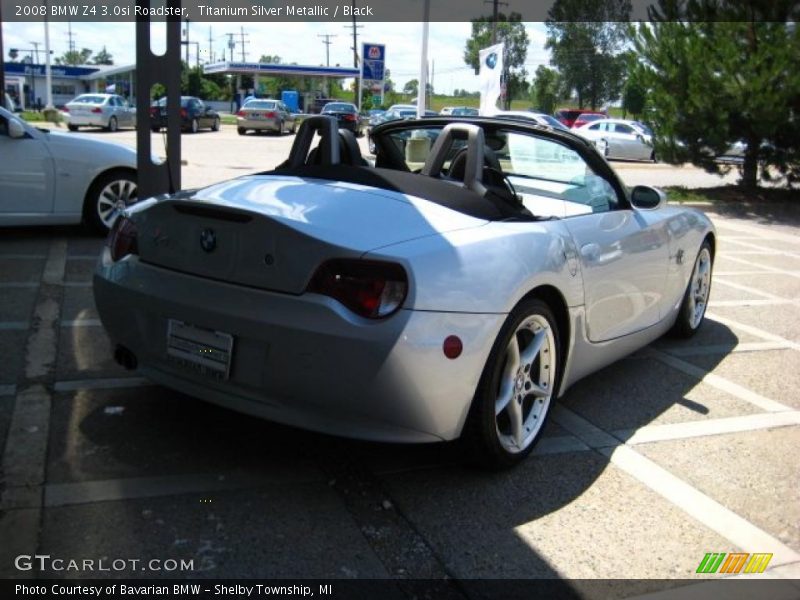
491, 60
208, 240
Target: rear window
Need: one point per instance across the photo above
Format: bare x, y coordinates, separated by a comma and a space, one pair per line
569, 114
339, 107
263, 104
89, 99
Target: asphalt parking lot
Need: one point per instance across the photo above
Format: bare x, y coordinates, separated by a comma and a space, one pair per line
682, 449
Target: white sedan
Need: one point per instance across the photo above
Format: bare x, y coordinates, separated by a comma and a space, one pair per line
47, 177
405, 303
108, 111
620, 139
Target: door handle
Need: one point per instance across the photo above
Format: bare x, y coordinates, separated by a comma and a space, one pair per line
590, 252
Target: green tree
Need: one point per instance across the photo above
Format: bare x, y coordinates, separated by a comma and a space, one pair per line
103, 57
73, 57
510, 31
634, 97
411, 87
586, 39
546, 89
727, 73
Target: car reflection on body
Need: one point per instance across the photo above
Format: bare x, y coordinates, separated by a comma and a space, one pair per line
47, 177
620, 139
404, 303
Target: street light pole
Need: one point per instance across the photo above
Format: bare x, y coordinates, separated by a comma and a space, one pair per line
47, 75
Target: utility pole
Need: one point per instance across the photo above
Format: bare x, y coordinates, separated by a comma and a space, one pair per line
70, 36
355, 27
187, 42
210, 49
231, 43
327, 43
243, 42
2, 70
495, 4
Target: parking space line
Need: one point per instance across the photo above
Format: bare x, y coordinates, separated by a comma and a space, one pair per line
8, 389
767, 268
727, 386
752, 290
13, 325
23, 256
757, 231
101, 384
730, 253
19, 284
764, 335
698, 505
587, 432
772, 251
77, 284
114, 490
759, 302
737, 273
692, 429
682, 351
82, 323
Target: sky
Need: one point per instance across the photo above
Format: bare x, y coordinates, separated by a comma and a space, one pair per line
293, 42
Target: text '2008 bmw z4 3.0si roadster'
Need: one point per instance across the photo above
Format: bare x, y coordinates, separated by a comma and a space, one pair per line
452, 289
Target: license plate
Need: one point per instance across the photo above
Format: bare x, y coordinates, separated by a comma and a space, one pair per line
203, 350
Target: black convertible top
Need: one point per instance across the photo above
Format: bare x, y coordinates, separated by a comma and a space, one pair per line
454, 197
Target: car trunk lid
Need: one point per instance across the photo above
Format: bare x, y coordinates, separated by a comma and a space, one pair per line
272, 232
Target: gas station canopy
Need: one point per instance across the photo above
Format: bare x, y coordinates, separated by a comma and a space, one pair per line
267, 69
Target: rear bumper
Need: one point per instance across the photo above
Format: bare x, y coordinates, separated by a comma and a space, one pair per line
265, 124
303, 360
87, 120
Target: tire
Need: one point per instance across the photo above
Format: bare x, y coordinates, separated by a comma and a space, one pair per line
112, 125
194, 126
528, 343
241, 130
215, 124
653, 157
72, 127
107, 196
155, 129
294, 127
695, 299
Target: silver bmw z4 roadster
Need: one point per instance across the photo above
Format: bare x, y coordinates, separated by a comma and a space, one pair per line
453, 287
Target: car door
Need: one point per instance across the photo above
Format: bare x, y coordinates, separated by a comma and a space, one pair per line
626, 141
622, 253
26, 172
124, 112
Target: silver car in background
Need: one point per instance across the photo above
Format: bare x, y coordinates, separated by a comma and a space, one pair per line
265, 115
108, 111
536, 117
47, 177
620, 138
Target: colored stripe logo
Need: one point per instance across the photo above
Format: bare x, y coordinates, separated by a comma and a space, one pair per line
733, 563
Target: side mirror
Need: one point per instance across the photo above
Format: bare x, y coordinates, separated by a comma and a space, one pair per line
645, 197
15, 129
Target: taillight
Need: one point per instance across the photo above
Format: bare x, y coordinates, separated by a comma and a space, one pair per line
269, 115
349, 117
370, 289
65, 109
183, 113
154, 112
97, 110
121, 239
239, 113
